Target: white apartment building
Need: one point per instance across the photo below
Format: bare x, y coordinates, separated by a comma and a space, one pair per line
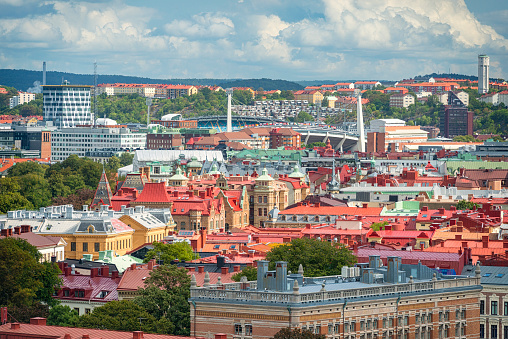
67, 141
67, 105
20, 99
401, 100
490, 98
463, 96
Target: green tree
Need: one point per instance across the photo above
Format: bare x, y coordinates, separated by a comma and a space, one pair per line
466, 205
74, 182
123, 315
376, 226
25, 280
60, 315
166, 297
251, 273
14, 201
57, 186
315, 144
304, 117
82, 197
318, 258
28, 167
113, 164
36, 189
297, 333
169, 252
464, 138
126, 158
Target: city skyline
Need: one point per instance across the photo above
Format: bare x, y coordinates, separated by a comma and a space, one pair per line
294, 40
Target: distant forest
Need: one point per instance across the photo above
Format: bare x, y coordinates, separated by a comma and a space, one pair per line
266, 84
24, 79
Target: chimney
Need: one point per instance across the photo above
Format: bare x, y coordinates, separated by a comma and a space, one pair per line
137, 335
114, 274
38, 321
105, 271
365, 205
191, 194
85, 336
150, 265
201, 269
318, 204
236, 268
68, 271
441, 210
94, 272
458, 236
425, 208
464, 244
453, 208
120, 193
224, 270
135, 193
15, 326
286, 239
133, 266
17, 230
67, 336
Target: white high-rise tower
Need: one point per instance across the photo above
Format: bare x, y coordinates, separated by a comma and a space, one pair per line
359, 122
229, 127
483, 74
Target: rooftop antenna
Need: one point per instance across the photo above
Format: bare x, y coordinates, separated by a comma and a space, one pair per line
95, 110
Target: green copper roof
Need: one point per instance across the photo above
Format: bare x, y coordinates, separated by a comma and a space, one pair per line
296, 173
178, 175
264, 176
194, 163
214, 170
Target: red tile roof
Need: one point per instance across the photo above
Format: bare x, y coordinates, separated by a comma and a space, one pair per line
52, 332
333, 210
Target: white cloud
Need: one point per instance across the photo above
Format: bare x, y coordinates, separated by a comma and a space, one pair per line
334, 38
202, 25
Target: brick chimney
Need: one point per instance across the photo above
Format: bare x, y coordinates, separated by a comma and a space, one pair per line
441, 210
114, 274
191, 194
224, 270
105, 271
425, 208
236, 268
94, 272
15, 326
458, 236
85, 336
38, 321
137, 335
201, 269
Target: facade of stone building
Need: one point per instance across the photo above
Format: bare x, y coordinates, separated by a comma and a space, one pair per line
364, 302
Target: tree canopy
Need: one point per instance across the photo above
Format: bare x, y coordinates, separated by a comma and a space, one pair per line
251, 273
165, 296
123, 315
169, 252
61, 315
318, 258
466, 205
25, 280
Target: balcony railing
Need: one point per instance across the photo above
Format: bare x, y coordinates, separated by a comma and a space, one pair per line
233, 291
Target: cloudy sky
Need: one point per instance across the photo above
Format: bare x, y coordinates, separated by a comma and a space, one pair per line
283, 39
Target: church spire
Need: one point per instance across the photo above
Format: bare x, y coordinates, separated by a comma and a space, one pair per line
103, 193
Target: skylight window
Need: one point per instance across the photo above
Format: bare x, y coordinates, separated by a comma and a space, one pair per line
424, 216
486, 275
499, 275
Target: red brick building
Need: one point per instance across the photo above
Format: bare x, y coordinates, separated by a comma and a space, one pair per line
284, 137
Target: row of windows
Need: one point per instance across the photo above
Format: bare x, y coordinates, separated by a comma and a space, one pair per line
493, 332
120, 244
493, 308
